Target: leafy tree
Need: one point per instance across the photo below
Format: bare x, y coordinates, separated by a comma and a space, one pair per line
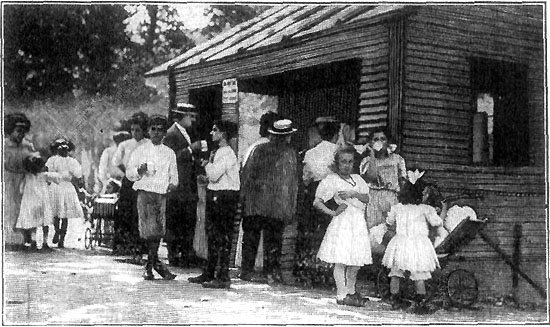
163, 37
54, 49
226, 16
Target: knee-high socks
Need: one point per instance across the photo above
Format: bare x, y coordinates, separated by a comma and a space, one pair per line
345, 278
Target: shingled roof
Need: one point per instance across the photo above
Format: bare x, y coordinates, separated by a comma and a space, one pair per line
280, 23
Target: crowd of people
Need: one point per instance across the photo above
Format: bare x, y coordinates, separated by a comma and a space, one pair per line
358, 195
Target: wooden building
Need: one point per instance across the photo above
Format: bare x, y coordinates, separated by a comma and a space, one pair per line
461, 87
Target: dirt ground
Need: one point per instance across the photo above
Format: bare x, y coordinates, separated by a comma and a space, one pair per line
93, 287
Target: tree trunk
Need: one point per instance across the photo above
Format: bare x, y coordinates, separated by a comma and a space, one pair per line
151, 34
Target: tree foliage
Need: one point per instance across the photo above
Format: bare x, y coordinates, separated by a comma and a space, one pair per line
53, 49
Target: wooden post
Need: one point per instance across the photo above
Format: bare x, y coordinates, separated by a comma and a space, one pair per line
516, 259
395, 77
509, 261
480, 139
171, 88
230, 112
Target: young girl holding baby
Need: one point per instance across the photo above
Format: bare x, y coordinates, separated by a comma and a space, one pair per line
346, 241
36, 211
411, 249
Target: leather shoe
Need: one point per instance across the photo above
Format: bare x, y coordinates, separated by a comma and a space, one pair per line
169, 276
200, 279
216, 283
352, 300
46, 248
254, 278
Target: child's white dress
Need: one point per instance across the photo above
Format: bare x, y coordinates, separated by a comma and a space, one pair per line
346, 240
36, 205
411, 249
65, 201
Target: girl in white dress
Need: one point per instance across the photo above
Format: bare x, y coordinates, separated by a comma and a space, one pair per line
65, 199
346, 241
36, 210
411, 249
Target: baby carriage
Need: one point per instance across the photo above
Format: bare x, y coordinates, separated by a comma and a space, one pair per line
100, 231
459, 286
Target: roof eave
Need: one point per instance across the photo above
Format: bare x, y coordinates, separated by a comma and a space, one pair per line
269, 48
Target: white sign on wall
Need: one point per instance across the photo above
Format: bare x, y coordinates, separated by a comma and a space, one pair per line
230, 91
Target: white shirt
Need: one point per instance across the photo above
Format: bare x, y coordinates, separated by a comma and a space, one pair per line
106, 168
124, 151
223, 172
161, 168
317, 161
251, 148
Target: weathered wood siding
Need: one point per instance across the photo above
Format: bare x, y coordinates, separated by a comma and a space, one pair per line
369, 44
437, 108
438, 114
507, 198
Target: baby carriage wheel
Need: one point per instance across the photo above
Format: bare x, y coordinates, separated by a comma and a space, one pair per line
88, 239
462, 288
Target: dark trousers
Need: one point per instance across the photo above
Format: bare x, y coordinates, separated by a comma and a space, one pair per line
273, 241
181, 217
126, 239
221, 207
153, 261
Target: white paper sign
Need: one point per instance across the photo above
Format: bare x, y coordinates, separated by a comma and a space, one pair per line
230, 91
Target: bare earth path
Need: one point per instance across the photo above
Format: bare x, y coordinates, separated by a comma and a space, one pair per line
86, 287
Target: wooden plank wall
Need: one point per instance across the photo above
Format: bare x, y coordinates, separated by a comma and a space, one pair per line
368, 44
506, 199
373, 103
440, 39
437, 121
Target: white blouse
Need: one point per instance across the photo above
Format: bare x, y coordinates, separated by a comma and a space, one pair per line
223, 172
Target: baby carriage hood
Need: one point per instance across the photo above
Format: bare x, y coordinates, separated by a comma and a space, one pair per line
456, 214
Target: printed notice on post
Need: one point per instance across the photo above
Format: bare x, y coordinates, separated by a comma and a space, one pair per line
230, 90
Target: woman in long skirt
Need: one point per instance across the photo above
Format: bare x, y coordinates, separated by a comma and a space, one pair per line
16, 149
384, 171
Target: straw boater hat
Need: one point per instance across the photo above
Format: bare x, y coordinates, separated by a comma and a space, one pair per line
282, 127
183, 108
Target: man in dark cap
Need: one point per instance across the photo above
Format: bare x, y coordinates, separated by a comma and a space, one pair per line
181, 208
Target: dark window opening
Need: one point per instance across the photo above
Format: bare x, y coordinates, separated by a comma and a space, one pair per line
305, 94
499, 92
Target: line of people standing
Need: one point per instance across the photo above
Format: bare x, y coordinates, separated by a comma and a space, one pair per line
166, 198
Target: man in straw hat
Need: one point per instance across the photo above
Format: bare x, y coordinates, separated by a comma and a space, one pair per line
269, 188
181, 209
